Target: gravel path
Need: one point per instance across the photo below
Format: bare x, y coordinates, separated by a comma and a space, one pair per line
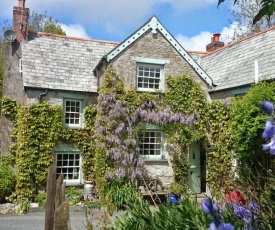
36, 220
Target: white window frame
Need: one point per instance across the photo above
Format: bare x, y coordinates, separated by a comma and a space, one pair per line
68, 125
151, 78
66, 150
151, 146
151, 62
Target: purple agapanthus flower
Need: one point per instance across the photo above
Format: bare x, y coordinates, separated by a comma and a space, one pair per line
225, 226
267, 107
208, 207
269, 130
270, 146
213, 225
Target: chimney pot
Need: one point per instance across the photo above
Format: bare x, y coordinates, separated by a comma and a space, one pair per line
21, 3
216, 36
215, 43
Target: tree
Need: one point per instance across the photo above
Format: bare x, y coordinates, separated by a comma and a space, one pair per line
267, 8
244, 14
45, 23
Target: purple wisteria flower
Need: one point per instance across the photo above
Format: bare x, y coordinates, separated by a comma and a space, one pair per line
267, 107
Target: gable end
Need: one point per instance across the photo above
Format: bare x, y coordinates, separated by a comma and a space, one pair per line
153, 24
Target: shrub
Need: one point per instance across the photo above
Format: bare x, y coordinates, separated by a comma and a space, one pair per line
74, 195
7, 181
177, 188
41, 199
121, 195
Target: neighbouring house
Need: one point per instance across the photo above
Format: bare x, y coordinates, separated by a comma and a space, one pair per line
68, 71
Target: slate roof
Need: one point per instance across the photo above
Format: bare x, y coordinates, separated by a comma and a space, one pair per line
62, 62
234, 64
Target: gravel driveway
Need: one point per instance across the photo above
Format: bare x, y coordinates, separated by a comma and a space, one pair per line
36, 221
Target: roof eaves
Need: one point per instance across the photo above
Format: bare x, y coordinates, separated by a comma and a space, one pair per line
71, 37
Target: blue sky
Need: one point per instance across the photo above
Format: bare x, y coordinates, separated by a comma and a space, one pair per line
191, 22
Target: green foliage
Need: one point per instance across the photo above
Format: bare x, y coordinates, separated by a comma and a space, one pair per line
177, 188
38, 131
247, 127
187, 215
44, 23
267, 9
23, 206
121, 194
93, 204
220, 173
184, 95
74, 195
7, 181
41, 198
9, 108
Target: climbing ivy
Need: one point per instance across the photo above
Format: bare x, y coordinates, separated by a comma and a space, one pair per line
109, 142
37, 129
220, 174
120, 115
248, 122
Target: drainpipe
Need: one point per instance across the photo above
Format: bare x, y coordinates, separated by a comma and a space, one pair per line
42, 94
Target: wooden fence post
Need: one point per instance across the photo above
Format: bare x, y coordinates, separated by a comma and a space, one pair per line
51, 191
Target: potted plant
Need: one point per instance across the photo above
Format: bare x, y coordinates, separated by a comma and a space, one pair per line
176, 190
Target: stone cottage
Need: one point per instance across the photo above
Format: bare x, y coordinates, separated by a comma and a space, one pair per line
68, 71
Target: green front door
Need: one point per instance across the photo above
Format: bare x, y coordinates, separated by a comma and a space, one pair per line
194, 178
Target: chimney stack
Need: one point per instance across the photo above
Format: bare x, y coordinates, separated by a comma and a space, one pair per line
20, 21
215, 43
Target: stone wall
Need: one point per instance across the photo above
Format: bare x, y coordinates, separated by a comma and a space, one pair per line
7, 208
13, 88
163, 172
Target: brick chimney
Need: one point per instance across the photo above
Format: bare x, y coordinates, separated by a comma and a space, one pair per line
215, 43
20, 21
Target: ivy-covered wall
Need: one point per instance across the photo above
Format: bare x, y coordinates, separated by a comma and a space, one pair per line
37, 130
109, 142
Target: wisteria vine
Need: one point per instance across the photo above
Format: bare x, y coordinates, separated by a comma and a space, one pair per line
116, 130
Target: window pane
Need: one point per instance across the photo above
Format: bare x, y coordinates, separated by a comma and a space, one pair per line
69, 165
150, 143
72, 112
149, 74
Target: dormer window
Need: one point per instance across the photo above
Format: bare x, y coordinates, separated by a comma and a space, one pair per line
149, 77
150, 74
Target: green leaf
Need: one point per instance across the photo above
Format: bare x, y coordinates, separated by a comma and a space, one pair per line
268, 8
